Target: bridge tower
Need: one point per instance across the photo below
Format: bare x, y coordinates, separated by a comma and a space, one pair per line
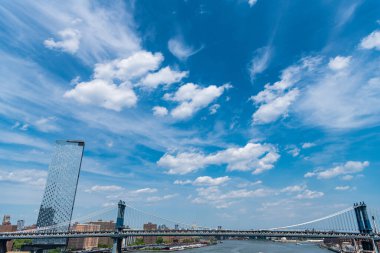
117, 241
364, 226
362, 219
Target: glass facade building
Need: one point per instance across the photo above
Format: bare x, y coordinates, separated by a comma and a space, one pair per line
60, 190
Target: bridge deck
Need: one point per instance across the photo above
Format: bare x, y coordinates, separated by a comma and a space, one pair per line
237, 233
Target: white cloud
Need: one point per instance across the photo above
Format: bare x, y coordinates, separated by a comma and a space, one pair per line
22, 139
252, 2
24, 127
192, 98
275, 100
372, 41
308, 145
161, 198
26, 176
104, 188
183, 182
160, 111
350, 167
214, 196
47, 124
214, 108
273, 110
69, 41
308, 194
253, 157
351, 98
103, 93
206, 180
144, 190
111, 87
180, 50
113, 81
260, 61
293, 150
342, 188
130, 68
347, 177
294, 188
105, 31
339, 62
164, 76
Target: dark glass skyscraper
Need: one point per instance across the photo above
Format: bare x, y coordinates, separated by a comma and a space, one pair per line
61, 186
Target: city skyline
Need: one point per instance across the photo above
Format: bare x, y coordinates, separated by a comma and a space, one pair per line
202, 111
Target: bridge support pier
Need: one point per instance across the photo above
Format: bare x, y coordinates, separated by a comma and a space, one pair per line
3, 246
375, 248
116, 248
356, 247
117, 241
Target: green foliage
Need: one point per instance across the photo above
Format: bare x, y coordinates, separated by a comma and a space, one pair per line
159, 240
139, 241
54, 251
18, 243
104, 246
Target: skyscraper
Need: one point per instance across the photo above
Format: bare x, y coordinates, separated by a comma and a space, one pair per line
59, 196
20, 225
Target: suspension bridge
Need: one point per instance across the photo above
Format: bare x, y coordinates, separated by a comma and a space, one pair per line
54, 223
357, 223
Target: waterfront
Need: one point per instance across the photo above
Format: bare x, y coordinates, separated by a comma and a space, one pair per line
256, 246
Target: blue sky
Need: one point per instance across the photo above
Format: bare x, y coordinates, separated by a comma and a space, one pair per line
203, 111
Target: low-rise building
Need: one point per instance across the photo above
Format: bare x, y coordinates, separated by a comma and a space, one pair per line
84, 243
105, 226
8, 227
150, 239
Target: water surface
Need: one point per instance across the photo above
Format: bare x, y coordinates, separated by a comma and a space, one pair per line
255, 246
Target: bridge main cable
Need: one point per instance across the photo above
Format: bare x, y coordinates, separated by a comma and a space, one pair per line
316, 220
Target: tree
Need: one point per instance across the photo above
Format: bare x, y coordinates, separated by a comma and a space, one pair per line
159, 240
18, 243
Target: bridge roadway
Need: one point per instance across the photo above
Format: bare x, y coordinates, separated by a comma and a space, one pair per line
234, 233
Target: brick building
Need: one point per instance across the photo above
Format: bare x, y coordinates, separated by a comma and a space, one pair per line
105, 226
84, 243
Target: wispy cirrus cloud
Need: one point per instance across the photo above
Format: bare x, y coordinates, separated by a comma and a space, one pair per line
222, 199
69, 41
31, 177
251, 3
180, 49
204, 180
87, 29
260, 61
274, 101
104, 188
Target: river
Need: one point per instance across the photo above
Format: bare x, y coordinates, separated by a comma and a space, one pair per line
256, 246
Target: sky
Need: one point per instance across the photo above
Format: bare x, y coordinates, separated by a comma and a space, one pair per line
240, 113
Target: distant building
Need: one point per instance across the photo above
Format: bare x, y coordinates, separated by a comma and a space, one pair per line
105, 226
30, 227
163, 227
150, 239
87, 243
58, 200
8, 227
20, 225
176, 227
6, 219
